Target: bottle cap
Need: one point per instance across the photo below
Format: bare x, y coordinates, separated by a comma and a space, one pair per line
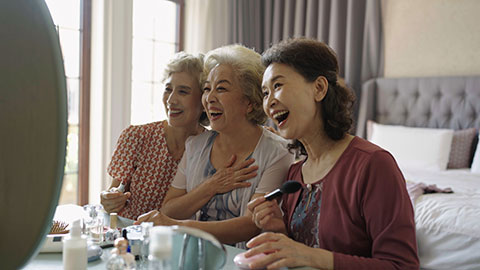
160, 242
76, 230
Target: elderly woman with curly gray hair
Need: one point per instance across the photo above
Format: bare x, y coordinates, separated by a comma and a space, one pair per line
238, 160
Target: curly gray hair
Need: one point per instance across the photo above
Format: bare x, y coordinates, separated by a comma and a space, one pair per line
248, 68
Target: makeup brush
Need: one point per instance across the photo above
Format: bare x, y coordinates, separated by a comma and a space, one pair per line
287, 187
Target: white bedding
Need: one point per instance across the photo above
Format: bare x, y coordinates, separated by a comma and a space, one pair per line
448, 225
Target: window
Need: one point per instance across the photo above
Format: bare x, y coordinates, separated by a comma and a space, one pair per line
155, 38
70, 18
66, 17
154, 41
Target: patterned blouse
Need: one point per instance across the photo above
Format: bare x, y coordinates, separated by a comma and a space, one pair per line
306, 217
142, 159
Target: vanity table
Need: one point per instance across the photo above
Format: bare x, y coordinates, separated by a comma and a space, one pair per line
53, 261
70, 212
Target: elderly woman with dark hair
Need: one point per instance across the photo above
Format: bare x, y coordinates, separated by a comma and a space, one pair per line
353, 211
236, 161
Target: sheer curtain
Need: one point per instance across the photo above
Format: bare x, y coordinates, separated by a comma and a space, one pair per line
207, 25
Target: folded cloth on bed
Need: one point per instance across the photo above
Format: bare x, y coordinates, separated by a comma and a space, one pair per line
417, 189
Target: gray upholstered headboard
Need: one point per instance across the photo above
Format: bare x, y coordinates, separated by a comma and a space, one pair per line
434, 102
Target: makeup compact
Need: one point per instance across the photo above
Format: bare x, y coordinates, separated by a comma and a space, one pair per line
243, 263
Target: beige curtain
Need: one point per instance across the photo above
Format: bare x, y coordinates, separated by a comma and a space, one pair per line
207, 25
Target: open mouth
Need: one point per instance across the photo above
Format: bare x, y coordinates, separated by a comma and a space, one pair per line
215, 114
281, 117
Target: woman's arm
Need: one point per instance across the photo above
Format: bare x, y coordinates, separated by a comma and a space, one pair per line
180, 204
121, 168
229, 231
389, 219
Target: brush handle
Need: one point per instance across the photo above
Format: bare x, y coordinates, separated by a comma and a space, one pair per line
273, 195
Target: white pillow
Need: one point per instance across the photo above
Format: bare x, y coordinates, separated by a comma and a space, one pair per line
415, 148
476, 159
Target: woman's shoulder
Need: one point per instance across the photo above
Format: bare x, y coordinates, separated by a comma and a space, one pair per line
272, 148
144, 129
367, 154
365, 148
270, 139
199, 141
199, 138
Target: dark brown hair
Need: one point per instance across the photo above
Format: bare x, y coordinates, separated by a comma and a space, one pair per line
311, 59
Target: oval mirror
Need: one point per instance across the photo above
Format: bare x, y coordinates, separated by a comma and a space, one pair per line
33, 128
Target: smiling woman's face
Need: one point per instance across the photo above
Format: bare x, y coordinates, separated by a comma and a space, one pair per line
289, 100
223, 99
182, 100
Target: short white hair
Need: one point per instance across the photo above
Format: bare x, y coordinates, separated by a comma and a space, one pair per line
248, 68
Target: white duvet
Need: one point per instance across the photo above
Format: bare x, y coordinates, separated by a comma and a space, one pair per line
448, 225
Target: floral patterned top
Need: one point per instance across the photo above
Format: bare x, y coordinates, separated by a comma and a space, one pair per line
142, 160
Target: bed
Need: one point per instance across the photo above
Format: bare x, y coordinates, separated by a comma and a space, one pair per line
391, 110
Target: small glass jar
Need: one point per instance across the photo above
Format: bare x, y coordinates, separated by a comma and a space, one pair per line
94, 223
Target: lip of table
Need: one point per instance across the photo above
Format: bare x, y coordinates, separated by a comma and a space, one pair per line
53, 261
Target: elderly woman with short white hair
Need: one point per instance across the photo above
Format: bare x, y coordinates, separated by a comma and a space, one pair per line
238, 160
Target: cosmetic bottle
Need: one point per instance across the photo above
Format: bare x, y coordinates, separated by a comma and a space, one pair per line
145, 243
121, 259
94, 224
160, 248
112, 233
75, 249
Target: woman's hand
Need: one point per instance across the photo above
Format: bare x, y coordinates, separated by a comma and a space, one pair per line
113, 200
157, 218
282, 251
267, 215
232, 177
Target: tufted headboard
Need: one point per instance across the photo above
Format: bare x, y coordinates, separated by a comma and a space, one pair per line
434, 102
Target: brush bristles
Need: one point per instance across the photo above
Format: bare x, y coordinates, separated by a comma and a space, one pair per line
59, 227
291, 186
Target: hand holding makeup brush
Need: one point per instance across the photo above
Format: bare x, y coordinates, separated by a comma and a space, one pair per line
266, 213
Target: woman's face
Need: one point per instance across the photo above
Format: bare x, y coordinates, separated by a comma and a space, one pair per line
290, 101
224, 101
182, 100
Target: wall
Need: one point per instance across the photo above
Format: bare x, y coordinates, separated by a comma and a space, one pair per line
431, 37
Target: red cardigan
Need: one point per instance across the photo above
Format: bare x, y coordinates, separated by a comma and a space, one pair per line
366, 217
